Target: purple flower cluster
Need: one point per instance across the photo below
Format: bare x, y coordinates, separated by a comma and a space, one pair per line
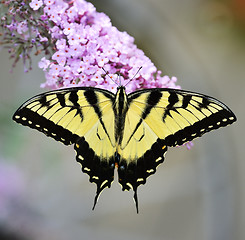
80, 46
24, 31
87, 46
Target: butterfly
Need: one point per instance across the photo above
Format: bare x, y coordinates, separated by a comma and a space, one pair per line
130, 132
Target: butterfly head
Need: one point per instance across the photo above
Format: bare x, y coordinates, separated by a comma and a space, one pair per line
118, 82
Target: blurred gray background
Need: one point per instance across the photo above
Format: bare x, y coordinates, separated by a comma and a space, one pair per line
195, 194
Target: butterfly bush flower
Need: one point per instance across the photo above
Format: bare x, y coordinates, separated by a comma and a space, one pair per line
25, 30
88, 46
80, 46
36, 4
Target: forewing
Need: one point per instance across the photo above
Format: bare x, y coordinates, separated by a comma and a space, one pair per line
179, 116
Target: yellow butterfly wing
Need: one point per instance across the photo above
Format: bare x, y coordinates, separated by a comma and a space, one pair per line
83, 116
132, 131
157, 118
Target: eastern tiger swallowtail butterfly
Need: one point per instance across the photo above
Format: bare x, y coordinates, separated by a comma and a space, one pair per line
131, 132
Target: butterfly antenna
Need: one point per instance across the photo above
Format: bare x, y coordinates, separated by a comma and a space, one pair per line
106, 74
133, 76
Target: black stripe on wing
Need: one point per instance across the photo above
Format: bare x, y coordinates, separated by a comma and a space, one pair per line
33, 120
92, 99
215, 121
209, 112
31, 114
37, 111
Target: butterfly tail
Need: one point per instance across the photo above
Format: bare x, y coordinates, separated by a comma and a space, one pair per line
136, 200
98, 192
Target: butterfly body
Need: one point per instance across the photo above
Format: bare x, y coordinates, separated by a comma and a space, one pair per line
131, 132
